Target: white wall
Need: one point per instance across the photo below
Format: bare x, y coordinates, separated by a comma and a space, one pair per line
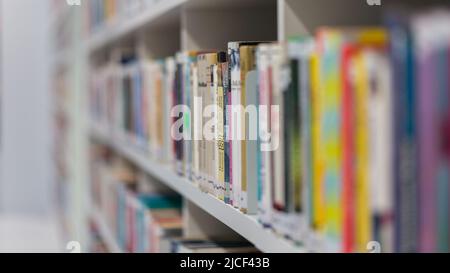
25, 183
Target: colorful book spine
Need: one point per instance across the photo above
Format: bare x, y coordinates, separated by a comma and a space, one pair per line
220, 135
265, 186
196, 124
348, 145
189, 58
277, 160
235, 122
330, 43
179, 130
226, 128
202, 85
318, 219
405, 153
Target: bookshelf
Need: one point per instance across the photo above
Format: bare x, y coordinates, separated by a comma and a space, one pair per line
172, 25
169, 26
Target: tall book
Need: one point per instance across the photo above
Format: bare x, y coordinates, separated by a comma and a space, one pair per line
169, 83
236, 120
205, 63
264, 181
226, 128
247, 64
381, 165
432, 51
189, 58
298, 113
318, 202
220, 131
196, 111
178, 100
348, 147
277, 123
405, 136
330, 41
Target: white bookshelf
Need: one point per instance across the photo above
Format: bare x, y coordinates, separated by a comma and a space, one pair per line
173, 25
245, 225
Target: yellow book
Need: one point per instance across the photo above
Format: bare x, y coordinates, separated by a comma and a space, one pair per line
362, 212
318, 210
365, 38
220, 136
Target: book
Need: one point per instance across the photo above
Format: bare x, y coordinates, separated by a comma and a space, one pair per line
405, 142
207, 148
237, 124
247, 64
226, 128
264, 180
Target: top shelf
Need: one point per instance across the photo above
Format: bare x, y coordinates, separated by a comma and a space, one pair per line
164, 12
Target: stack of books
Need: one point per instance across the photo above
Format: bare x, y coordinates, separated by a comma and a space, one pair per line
334, 140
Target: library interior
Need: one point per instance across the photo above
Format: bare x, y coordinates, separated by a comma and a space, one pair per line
225, 126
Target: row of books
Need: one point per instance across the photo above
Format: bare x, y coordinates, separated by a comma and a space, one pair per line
144, 217
107, 12
353, 147
141, 220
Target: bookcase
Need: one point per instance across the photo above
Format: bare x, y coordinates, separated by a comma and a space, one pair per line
164, 28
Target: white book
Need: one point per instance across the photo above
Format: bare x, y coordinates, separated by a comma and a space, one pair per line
235, 123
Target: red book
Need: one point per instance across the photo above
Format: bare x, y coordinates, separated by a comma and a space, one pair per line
347, 149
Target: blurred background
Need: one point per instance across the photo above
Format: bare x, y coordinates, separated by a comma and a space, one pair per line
28, 219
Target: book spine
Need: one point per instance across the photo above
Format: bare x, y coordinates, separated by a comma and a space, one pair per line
235, 124
426, 70
220, 135
405, 141
211, 150
215, 173
187, 98
247, 64
306, 145
196, 129
277, 161
157, 117
264, 130
330, 131
226, 114
178, 94
363, 217
442, 174
202, 85
169, 87
318, 207
222, 58
348, 144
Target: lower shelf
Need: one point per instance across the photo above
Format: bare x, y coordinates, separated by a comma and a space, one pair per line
246, 225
